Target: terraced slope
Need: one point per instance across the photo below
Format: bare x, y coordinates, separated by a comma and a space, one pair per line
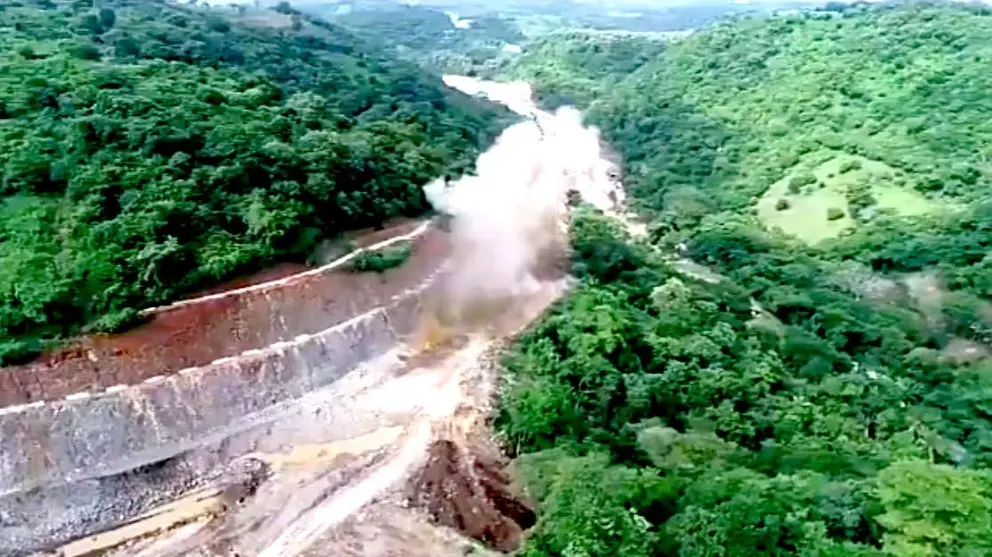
149, 150
314, 401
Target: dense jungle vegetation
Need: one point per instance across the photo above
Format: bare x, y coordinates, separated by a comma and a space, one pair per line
147, 149
824, 394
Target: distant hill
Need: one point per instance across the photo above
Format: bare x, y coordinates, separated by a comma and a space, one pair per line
430, 36
540, 16
482, 37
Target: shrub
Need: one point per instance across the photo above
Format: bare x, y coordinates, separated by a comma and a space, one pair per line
177, 20
782, 204
116, 322
219, 25
788, 160
801, 180
850, 165
90, 24
86, 52
382, 260
127, 47
859, 196
16, 352
107, 18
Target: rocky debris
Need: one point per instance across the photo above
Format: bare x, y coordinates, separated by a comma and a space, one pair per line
242, 479
153, 498
390, 530
471, 493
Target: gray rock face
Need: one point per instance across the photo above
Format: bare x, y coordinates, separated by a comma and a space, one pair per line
73, 467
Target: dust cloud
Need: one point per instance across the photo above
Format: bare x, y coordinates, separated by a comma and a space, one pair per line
508, 222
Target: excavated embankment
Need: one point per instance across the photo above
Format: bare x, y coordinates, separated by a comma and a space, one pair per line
297, 417
197, 332
74, 463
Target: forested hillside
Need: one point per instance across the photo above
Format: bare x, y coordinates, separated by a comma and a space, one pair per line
577, 67
147, 149
428, 36
823, 387
482, 37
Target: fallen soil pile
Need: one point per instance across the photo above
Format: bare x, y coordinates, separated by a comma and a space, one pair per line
464, 490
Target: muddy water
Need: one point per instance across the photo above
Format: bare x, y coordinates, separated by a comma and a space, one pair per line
339, 458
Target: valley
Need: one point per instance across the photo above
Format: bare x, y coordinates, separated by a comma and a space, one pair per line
462, 279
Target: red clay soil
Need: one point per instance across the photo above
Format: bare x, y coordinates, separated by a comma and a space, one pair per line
472, 495
197, 334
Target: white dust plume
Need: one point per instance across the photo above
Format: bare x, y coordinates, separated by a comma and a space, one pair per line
508, 220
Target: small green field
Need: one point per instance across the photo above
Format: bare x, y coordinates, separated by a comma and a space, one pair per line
799, 203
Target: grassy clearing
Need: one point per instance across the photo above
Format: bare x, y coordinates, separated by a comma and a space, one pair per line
904, 202
810, 191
